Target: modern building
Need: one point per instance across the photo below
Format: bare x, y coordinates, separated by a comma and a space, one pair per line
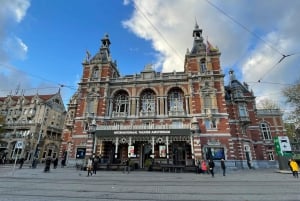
33, 126
170, 118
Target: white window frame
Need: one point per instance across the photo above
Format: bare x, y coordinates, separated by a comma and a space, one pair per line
265, 131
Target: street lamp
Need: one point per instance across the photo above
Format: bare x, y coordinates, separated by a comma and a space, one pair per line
92, 130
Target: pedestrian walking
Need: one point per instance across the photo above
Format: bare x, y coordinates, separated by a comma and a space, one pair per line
294, 167
47, 164
204, 167
55, 163
95, 164
89, 166
21, 162
198, 167
211, 165
223, 166
126, 167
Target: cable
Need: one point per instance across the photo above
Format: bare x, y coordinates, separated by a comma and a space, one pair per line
280, 60
244, 27
36, 76
157, 30
277, 83
257, 36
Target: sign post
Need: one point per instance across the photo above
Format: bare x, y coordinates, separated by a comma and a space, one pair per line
18, 145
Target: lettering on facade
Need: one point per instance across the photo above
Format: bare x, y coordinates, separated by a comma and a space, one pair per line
144, 132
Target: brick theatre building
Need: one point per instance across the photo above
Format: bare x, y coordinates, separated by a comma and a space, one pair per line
170, 118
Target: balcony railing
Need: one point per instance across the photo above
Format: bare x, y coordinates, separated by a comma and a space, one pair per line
147, 114
176, 113
119, 114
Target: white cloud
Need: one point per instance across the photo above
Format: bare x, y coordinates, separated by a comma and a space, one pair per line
15, 48
12, 47
168, 25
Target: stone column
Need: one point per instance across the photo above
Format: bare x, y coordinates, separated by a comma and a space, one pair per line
153, 152
117, 144
167, 143
166, 106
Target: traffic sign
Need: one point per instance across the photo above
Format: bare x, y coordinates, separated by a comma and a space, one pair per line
19, 145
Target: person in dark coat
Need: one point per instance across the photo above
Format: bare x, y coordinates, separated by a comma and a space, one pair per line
223, 166
21, 162
126, 167
47, 165
95, 164
211, 165
55, 163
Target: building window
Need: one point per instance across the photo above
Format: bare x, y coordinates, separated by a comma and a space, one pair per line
175, 99
215, 153
207, 103
270, 156
148, 101
121, 102
90, 106
95, 73
265, 130
210, 123
203, 66
243, 111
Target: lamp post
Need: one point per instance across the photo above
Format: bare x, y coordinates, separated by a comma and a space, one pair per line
92, 130
36, 151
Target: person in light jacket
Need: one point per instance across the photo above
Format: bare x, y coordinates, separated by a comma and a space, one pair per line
89, 166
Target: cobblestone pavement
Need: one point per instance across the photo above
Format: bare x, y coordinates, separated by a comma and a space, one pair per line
69, 184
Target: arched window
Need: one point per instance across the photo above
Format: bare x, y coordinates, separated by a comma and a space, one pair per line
265, 130
147, 101
121, 104
175, 100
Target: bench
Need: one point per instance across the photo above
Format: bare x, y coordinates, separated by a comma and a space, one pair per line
173, 168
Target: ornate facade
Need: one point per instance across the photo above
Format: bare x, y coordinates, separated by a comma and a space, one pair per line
36, 121
174, 118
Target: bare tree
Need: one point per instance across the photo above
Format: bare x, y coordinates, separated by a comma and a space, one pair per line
292, 95
2, 121
267, 104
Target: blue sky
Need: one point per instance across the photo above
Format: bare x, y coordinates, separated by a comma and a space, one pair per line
43, 42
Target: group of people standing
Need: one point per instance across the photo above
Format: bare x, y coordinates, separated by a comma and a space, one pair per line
92, 165
208, 168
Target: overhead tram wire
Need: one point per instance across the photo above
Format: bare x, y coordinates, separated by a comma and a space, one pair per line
244, 27
157, 30
276, 83
39, 77
254, 34
276, 64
